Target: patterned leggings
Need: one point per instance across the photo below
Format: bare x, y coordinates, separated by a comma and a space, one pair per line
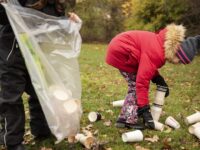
129, 109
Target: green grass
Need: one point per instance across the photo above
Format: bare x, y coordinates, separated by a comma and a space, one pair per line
102, 84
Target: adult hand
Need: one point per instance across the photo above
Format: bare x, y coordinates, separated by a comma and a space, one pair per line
74, 17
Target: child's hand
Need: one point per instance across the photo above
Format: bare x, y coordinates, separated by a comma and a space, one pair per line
74, 17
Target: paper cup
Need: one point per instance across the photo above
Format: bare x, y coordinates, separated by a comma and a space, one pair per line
118, 103
94, 116
59, 93
156, 112
193, 118
192, 127
158, 126
170, 121
159, 97
197, 132
87, 141
133, 136
70, 106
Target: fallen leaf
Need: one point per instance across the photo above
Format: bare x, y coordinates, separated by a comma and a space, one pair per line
110, 112
155, 138
108, 123
166, 145
140, 148
108, 148
44, 148
168, 129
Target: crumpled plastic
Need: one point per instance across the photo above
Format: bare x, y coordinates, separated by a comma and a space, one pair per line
50, 47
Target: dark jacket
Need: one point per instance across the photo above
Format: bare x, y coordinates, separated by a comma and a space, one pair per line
6, 33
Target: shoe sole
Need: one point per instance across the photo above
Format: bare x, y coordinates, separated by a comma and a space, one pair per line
135, 126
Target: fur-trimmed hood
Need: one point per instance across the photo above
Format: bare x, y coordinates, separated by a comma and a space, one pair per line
175, 34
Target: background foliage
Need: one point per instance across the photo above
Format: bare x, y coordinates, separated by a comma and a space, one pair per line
103, 19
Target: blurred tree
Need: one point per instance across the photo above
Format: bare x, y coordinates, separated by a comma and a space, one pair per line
153, 15
102, 19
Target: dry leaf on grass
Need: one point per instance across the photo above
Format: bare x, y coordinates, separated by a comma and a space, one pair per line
110, 112
108, 123
140, 148
167, 129
166, 145
44, 148
154, 139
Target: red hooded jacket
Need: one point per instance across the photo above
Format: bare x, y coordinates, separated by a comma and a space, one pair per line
140, 52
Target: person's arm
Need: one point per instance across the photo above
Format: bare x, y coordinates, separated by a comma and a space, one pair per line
3, 16
146, 72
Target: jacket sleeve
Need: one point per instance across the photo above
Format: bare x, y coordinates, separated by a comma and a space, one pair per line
146, 72
3, 16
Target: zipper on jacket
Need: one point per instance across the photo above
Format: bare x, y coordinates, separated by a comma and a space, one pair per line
5, 143
13, 45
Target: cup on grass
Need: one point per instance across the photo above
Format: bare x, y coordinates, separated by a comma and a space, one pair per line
192, 127
170, 121
197, 132
158, 126
87, 141
156, 112
193, 118
133, 136
94, 116
118, 103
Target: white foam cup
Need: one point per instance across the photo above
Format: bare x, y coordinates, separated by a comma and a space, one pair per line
159, 97
118, 103
133, 136
59, 93
71, 106
197, 132
94, 116
87, 141
192, 127
156, 112
193, 118
79, 136
158, 126
170, 121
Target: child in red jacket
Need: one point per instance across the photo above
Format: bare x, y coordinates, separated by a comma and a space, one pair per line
138, 55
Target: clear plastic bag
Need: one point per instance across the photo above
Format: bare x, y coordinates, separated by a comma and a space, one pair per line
50, 46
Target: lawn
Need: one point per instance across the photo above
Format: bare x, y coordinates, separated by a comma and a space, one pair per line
102, 84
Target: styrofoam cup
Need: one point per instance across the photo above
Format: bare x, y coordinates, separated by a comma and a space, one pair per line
133, 136
70, 106
59, 93
193, 118
197, 132
156, 112
118, 103
170, 121
158, 126
94, 116
192, 127
87, 141
159, 97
